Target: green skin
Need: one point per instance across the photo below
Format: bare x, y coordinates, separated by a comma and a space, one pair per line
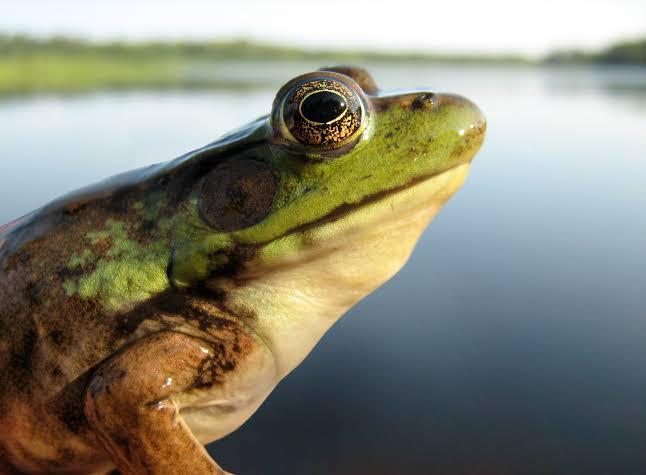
90, 282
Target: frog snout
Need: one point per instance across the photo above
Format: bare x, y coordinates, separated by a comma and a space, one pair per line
468, 115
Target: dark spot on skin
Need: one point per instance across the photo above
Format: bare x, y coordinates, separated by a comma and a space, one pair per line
118, 203
67, 273
32, 292
236, 258
169, 268
147, 225
413, 101
423, 101
73, 207
24, 256
57, 372
213, 368
381, 106
309, 189
57, 337
389, 135
237, 194
22, 357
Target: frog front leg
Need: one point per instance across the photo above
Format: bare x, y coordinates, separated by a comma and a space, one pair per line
133, 401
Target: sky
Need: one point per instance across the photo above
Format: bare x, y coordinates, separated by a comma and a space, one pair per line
490, 26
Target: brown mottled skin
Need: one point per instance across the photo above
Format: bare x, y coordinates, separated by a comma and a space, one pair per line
63, 360
86, 387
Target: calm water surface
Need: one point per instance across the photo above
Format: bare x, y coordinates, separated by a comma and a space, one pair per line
513, 342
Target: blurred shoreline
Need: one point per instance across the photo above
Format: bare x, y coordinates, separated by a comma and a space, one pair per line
65, 65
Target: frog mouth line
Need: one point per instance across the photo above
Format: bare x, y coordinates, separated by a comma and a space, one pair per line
347, 209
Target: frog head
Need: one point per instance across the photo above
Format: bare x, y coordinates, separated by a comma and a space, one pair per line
340, 176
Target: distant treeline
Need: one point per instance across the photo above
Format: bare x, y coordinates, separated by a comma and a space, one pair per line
61, 64
627, 52
19, 45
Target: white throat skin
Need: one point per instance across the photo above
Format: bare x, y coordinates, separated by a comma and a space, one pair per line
297, 299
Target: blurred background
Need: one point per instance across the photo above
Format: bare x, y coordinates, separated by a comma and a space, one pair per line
514, 341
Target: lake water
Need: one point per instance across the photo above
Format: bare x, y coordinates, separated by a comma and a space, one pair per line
514, 342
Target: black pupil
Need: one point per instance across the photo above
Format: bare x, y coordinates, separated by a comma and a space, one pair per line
323, 106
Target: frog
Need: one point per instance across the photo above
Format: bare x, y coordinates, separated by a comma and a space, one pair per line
151, 314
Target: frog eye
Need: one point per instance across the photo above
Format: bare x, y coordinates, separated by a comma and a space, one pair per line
322, 111
237, 194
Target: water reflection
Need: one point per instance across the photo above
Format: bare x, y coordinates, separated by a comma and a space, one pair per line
513, 342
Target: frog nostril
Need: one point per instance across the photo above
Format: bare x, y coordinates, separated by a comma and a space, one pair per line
423, 101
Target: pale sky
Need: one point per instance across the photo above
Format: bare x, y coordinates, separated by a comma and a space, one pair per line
464, 25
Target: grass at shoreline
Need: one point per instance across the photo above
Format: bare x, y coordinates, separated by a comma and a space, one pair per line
29, 65
61, 73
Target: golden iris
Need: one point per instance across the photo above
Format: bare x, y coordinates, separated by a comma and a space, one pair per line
320, 111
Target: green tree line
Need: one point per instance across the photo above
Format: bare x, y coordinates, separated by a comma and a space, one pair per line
61, 64
20, 45
626, 53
